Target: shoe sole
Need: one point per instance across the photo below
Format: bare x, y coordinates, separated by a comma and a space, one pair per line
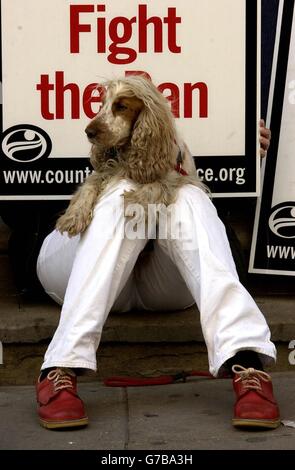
256, 423
64, 424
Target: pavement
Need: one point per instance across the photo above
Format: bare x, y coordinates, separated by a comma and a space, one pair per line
193, 415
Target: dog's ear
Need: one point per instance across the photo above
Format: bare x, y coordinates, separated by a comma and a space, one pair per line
151, 146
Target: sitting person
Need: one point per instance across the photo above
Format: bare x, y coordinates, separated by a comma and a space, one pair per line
91, 274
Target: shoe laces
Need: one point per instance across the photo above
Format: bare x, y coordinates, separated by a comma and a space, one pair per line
62, 378
250, 378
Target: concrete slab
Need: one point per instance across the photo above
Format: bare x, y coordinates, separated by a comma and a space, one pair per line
23, 321
30, 322
20, 429
22, 362
193, 415
197, 415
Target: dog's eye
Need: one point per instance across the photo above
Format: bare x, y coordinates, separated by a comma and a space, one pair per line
120, 107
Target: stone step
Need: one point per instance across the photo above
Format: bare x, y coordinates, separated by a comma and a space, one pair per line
22, 361
23, 321
34, 322
133, 343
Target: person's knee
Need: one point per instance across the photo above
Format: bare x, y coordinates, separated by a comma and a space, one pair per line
189, 193
109, 212
176, 223
184, 216
113, 194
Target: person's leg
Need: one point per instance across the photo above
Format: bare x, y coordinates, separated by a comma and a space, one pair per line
102, 265
230, 319
158, 282
54, 266
55, 262
160, 286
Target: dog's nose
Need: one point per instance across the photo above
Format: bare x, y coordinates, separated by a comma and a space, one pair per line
90, 132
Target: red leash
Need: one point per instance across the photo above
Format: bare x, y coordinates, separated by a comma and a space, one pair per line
161, 380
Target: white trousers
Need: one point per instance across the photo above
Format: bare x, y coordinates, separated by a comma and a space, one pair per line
93, 274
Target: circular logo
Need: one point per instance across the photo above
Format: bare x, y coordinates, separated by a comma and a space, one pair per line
282, 220
26, 143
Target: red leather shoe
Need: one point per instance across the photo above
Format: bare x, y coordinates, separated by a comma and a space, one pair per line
59, 403
255, 405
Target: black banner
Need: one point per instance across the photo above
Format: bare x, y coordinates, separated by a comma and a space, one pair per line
273, 245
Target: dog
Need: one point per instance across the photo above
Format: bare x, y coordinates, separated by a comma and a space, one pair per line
133, 137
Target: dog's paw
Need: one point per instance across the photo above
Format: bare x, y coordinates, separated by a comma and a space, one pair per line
73, 224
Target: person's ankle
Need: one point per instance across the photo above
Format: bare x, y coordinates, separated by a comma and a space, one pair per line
45, 372
245, 358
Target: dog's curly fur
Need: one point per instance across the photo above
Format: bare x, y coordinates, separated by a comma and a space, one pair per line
133, 137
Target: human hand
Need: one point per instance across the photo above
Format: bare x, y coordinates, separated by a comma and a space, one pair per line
265, 137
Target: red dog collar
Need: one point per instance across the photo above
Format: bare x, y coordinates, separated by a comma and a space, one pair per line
178, 166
